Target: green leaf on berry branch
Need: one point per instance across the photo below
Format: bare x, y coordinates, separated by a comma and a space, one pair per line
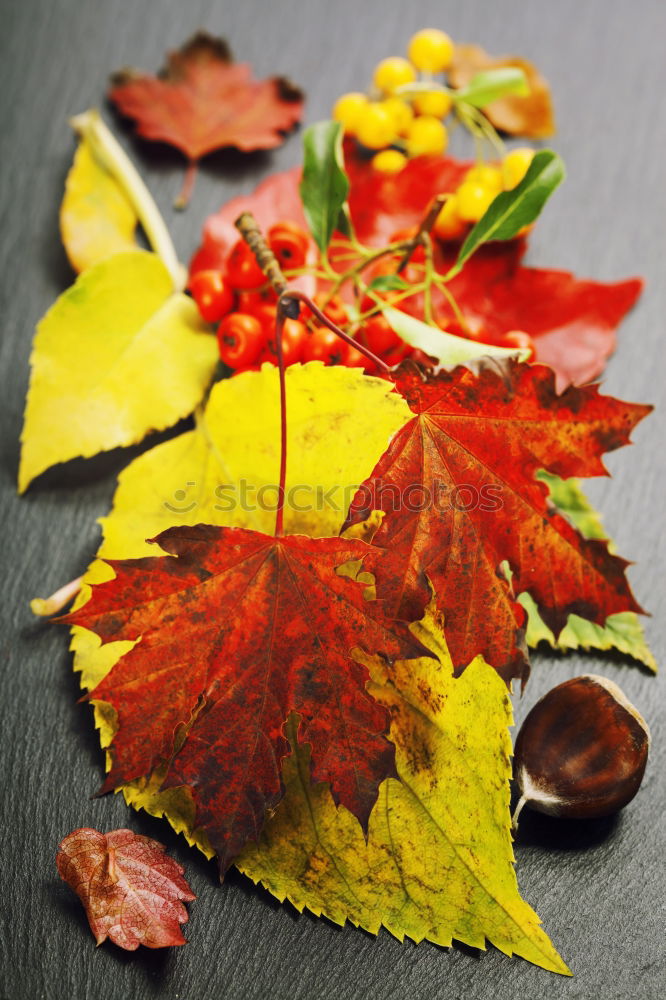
447, 349
457, 485
531, 115
512, 210
492, 84
324, 184
118, 355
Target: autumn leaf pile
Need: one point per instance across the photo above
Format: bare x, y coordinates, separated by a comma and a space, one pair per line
328, 708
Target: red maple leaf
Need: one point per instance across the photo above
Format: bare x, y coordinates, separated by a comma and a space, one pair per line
457, 484
131, 890
237, 629
572, 321
202, 101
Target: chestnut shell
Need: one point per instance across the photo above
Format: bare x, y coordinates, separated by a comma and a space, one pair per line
582, 750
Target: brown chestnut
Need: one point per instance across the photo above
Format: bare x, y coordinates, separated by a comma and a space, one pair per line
582, 750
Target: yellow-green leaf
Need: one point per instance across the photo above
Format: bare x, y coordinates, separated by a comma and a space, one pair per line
118, 355
96, 217
438, 860
622, 631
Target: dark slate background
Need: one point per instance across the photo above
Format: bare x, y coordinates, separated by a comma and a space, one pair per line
598, 887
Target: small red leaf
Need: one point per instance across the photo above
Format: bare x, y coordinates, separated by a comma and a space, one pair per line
203, 101
237, 630
131, 890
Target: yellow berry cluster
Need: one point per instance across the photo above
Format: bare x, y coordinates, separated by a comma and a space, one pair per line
480, 185
387, 119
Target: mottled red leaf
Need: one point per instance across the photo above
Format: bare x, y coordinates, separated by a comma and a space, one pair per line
202, 101
238, 629
131, 890
531, 116
458, 489
571, 320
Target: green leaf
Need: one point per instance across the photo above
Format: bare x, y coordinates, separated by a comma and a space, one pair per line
488, 86
512, 210
622, 631
388, 283
325, 185
447, 348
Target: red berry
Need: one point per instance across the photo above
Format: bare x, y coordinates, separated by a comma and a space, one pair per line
325, 345
266, 314
289, 243
240, 339
294, 335
253, 301
212, 294
357, 360
333, 309
379, 335
242, 268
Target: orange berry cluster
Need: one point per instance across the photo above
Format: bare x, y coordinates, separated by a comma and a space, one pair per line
243, 306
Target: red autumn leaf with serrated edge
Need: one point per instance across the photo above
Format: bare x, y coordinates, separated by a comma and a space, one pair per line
204, 101
457, 484
572, 321
237, 630
132, 891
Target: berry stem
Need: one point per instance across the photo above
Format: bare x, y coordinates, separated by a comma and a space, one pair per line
109, 153
426, 224
323, 318
183, 198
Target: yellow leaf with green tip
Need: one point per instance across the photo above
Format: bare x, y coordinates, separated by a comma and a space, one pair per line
96, 217
119, 354
438, 860
622, 631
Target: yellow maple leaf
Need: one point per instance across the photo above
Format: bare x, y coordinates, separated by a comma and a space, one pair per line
118, 354
438, 860
96, 216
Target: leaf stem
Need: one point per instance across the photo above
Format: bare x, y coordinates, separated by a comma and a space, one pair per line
323, 318
43, 607
108, 151
183, 198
